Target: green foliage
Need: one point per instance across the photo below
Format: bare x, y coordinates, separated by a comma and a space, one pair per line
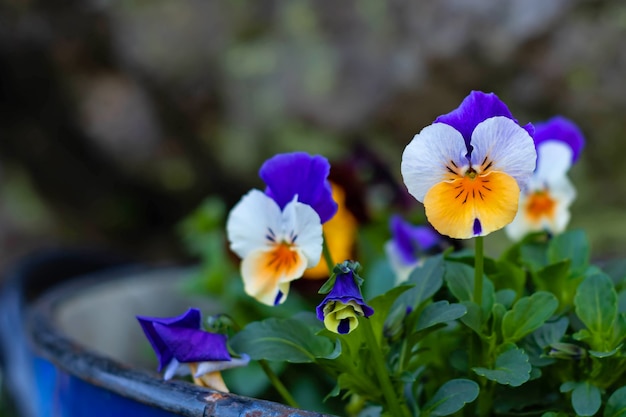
511, 368
527, 315
616, 404
586, 398
596, 306
283, 340
545, 337
451, 397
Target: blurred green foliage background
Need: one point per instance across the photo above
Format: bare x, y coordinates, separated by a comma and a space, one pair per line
118, 118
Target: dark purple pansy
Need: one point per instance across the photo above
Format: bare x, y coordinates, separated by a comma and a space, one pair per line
476, 108
301, 174
563, 130
345, 291
409, 241
182, 339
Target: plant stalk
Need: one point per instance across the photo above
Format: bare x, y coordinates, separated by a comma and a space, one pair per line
393, 403
327, 256
478, 271
278, 385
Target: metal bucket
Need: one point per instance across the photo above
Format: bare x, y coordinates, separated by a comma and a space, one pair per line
69, 342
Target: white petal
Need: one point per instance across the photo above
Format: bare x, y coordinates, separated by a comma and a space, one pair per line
519, 227
401, 270
303, 222
425, 158
263, 281
207, 367
510, 147
249, 222
563, 190
175, 368
554, 159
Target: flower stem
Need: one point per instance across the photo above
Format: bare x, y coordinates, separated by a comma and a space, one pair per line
393, 403
478, 271
278, 385
327, 256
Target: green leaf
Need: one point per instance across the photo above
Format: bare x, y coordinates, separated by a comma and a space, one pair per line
497, 313
621, 301
527, 315
514, 254
509, 276
616, 404
572, 245
426, 281
282, 340
440, 312
460, 280
616, 269
596, 306
512, 368
383, 303
451, 397
557, 278
551, 332
619, 330
506, 297
586, 399
473, 317
534, 255
601, 355
538, 341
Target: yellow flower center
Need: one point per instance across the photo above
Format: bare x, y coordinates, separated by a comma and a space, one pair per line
282, 259
472, 201
539, 205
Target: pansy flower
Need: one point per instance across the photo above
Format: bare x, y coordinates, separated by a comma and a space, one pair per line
468, 167
544, 205
182, 347
408, 245
299, 174
275, 245
342, 306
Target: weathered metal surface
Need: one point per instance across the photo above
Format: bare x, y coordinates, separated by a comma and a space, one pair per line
69, 379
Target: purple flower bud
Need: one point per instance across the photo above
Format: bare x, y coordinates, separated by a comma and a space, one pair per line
344, 303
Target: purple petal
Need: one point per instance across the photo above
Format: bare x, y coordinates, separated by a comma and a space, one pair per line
193, 345
478, 228
475, 108
190, 319
345, 290
344, 327
561, 129
299, 173
410, 240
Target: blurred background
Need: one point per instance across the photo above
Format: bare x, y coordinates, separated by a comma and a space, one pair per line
118, 118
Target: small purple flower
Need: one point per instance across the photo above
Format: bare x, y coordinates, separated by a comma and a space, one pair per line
408, 245
182, 346
344, 303
298, 173
410, 241
560, 129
